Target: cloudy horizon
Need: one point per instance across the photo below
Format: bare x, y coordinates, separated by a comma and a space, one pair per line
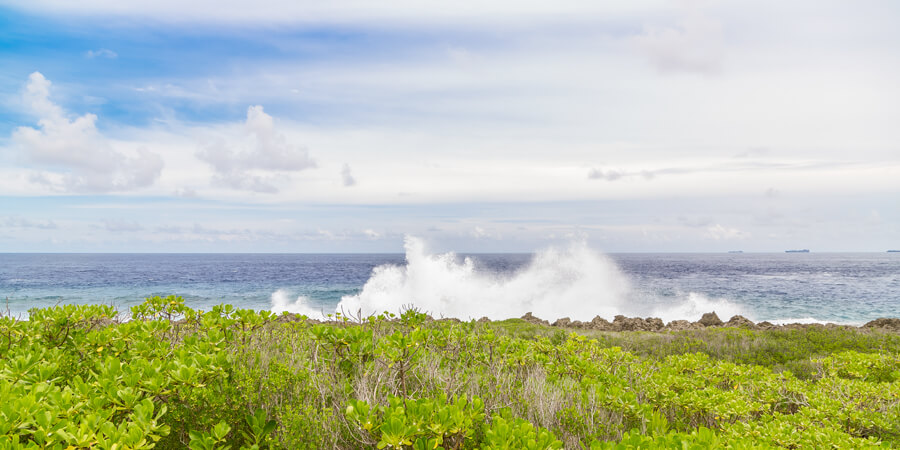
658, 126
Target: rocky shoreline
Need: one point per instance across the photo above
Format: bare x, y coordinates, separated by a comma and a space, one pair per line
655, 324
710, 319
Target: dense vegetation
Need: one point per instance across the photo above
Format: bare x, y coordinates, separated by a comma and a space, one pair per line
171, 377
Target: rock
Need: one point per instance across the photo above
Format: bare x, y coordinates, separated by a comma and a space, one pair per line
766, 325
889, 324
654, 323
563, 322
484, 319
622, 323
287, 318
680, 325
528, 317
449, 319
599, 323
710, 319
577, 324
740, 322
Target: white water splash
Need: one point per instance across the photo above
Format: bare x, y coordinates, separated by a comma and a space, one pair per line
574, 281
695, 305
282, 302
812, 320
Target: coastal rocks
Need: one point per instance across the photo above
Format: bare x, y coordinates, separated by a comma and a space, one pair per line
888, 324
740, 322
599, 323
528, 317
622, 323
681, 325
710, 319
288, 318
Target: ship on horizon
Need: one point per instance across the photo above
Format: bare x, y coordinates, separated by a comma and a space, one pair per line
803, 250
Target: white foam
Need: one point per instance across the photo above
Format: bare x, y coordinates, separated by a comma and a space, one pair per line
282, 302
811, 320
572, 281
695, 305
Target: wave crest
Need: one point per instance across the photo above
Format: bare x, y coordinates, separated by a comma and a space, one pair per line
571, 281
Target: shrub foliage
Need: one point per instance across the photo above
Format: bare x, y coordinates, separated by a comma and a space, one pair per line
167, 376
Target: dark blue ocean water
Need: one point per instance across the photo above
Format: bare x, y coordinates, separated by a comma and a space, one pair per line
844, 288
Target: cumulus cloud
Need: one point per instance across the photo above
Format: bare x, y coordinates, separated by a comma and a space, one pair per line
263, 164
75, 155
694, 44
346, 176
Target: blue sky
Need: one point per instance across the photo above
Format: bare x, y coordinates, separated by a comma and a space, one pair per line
491, 126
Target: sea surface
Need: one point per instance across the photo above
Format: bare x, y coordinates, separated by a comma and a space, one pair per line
573, 281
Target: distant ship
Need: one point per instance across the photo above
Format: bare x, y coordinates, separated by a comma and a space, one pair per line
893, 251
797, 251
735, 251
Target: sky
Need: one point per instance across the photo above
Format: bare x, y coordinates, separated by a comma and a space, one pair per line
489, 126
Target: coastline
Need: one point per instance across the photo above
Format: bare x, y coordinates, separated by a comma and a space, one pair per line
622, 323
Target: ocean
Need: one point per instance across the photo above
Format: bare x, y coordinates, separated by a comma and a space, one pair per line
571, 281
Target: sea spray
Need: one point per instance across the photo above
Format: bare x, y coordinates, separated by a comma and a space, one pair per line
281, 302
572, 281
693, 306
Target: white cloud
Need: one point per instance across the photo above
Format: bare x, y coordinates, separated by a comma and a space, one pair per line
607, 174
721, 233
119, 226
339, 12
75, 156
346, 176
19, 222
694, 44
101, 53
261, 164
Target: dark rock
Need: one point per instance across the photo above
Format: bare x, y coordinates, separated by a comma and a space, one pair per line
710, 319
740, 322
577, 324
484, 319
563, 322
885, 323
766, 325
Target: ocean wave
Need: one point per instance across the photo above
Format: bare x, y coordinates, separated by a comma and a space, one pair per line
694, 305
282, 302
572, 281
